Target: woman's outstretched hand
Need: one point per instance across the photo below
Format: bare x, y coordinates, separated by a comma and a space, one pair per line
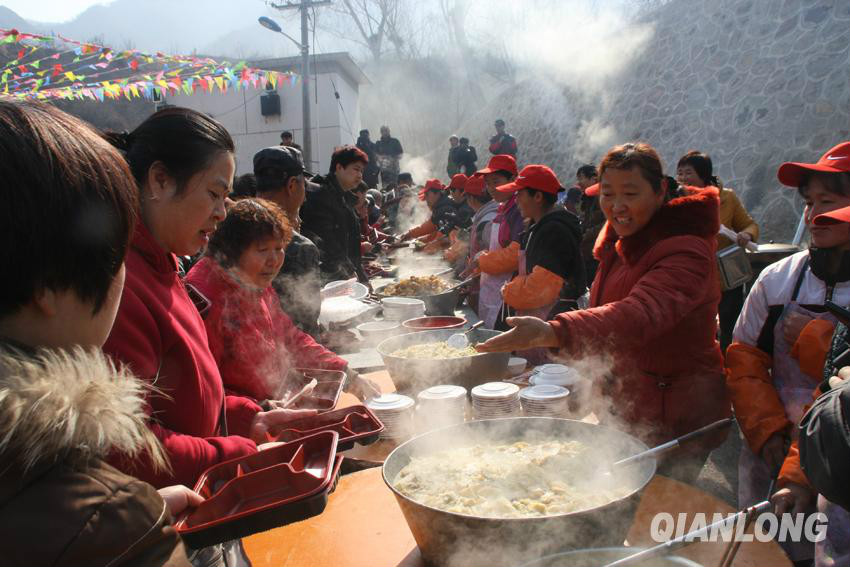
527, 332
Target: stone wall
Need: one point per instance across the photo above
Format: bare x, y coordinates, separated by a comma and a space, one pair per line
752, 82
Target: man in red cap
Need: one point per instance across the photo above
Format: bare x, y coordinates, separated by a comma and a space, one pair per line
443, 216
774, 361
503, 245
550, 267
462, 209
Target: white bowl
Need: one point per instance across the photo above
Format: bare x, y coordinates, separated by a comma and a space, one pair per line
376, 331
516, 365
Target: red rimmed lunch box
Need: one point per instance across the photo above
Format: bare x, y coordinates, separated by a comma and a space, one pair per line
262, 491
355, 424
326, 393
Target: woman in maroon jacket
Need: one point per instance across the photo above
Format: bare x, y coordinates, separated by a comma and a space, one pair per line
652, 309
183, 164
254, 342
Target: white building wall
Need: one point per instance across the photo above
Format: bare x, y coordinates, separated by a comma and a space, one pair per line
239, 112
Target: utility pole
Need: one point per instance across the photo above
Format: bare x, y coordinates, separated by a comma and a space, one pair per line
303, 6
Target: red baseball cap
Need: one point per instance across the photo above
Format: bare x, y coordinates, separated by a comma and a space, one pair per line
836, 160
537, 177
833, 217
475, 185
434, 184
592, 191
501, 162
458, 181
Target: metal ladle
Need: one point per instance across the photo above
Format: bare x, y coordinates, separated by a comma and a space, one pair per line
461, 340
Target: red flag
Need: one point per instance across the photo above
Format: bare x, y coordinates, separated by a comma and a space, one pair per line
134, 65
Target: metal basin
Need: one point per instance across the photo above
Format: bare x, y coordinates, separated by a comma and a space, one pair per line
605, 555
437, 304
451, 539
468, 371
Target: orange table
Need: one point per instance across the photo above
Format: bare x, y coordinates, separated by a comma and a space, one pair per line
363, 525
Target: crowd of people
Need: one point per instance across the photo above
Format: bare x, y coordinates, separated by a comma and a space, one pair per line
159, 303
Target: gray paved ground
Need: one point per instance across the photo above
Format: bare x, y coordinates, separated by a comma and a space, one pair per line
719, 477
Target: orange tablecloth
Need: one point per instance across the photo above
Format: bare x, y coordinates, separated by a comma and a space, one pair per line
363, 526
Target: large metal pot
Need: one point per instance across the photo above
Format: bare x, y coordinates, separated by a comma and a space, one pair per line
604, 556
438, 304
467, 371
450, 539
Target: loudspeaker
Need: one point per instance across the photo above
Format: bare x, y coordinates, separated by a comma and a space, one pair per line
270, 104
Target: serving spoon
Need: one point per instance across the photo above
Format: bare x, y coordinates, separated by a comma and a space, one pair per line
461, 340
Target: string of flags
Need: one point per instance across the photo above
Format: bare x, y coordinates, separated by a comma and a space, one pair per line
55, 67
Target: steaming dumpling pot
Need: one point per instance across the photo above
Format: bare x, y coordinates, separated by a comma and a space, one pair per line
450, 539
437, 304
467, 371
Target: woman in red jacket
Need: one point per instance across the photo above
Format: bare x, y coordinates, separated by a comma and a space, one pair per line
253, 341
652, 309
183, 164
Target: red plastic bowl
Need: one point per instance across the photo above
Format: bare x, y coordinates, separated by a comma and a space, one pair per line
431, 323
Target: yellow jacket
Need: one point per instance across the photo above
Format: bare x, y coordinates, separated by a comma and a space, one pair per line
735, 216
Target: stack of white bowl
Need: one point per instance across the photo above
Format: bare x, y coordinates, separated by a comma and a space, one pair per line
566, 377
402, 308
441, 406
554, 375
396, 413
544, 401
495, 399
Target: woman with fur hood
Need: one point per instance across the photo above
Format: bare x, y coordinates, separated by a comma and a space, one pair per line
652, 309
63, 405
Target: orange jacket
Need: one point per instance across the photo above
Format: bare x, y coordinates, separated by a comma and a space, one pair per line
532, 291
758, 408
502, 261
810, 350
423, 229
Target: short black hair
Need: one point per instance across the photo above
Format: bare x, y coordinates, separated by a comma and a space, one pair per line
244, 186
346, 155
587, 170
404, 176
463, 140
549, 199
69, 206
184, 140
836, 183
285, 134
701, 163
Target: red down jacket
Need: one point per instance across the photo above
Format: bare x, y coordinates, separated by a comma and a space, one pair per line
652, 318
251, 338
160, 334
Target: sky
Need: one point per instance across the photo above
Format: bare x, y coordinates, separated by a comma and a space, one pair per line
50, 10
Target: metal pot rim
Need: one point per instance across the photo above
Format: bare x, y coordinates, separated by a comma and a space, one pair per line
491, 518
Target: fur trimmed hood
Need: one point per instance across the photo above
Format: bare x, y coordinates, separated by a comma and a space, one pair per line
695, 213
70, 404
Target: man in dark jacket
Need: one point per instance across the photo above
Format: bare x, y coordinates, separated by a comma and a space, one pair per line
443, 212
463, 211
502, 142
467, 157
550, 269
452, 164
388, 152
365, 143
592, 217
328, 216
279, 172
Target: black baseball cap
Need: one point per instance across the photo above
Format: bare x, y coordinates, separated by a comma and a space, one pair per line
283, 159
